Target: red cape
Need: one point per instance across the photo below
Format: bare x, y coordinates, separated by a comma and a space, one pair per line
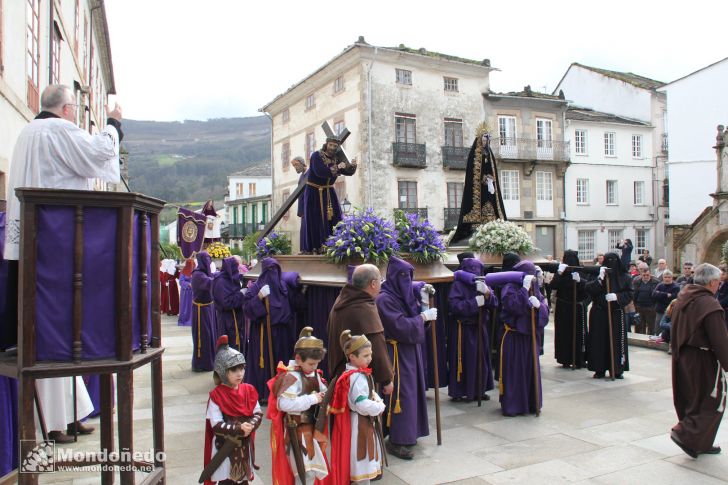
341, 435
282, 473
232, 402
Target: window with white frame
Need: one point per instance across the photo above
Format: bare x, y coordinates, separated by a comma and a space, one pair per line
310, 144
543, 132
509, 185
403, 76
639, 192
641, 240
544, 186
609, 144
405, 127
507, 130
586, 244
636, 146
453, 132
614, 237
310, 101
451, 84
612, 195
33, 53
582, 191
338, 84
580, 142
454, 194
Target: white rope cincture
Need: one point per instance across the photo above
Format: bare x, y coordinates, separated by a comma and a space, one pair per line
720, 377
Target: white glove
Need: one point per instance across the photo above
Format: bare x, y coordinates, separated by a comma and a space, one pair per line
480, 300
534, 302
576, 277
264, 291
602, 272
527, 281
213, 267
243, 290
610, 297
166, 284
481, 287
429, 289
491, 186
430, 314
562, 268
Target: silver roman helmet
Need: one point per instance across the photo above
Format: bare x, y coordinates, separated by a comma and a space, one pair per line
226, 358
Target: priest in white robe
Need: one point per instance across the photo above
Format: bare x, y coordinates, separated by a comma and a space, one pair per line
53, 152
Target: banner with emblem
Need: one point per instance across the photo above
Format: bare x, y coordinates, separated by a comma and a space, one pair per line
190, 231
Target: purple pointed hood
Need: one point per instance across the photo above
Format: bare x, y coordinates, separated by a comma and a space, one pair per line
527, 267
399, 283
291, 278
473, 266
203, 263
229, 270
272, 275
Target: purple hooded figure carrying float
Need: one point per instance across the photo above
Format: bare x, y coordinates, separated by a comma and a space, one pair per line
467, 299
519, 379
229, 297
399, 306
204, 329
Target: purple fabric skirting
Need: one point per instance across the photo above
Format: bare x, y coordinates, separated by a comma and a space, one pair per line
8, 425
320, 300
257, 370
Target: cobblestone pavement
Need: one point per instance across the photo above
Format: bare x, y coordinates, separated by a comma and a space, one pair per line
589, 431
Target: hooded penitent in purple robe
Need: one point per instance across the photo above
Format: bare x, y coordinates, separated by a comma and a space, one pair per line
204, 330
258, 370
518, 380
463, 335
229, 304
398, 304
185, 300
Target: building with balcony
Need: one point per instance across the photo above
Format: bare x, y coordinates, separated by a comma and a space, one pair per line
527, 138
248, 203
412, 115
608, 192
55, 42
629, 96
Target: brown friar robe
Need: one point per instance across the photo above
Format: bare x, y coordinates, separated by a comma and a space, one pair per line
355, 310
699, 344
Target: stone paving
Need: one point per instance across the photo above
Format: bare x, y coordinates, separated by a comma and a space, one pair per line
589, 431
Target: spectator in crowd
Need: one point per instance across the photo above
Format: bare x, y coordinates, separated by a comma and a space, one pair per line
645, 257
687, 275
661, 268
643, 286
665, 327
663, 295
626, 246
633, 271
599, 260
722, 294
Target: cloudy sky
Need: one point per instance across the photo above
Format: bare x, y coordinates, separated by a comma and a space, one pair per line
200, 59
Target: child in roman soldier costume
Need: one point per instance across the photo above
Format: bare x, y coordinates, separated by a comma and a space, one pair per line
298, 435
357, 451
233, 415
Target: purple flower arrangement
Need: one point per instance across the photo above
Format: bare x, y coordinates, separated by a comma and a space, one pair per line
274, 244
418, 238
362, 235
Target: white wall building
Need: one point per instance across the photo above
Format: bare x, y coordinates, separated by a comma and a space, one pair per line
248, 203
696, 104
630, 97
608, 194
51, 42
412, 115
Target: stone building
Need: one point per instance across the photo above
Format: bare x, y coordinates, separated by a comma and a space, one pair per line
412, 115
248, 202
53, 42
528, 141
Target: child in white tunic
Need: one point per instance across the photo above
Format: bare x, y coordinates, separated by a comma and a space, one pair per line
357, 453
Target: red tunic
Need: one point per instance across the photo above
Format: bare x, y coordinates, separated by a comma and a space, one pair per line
170, 293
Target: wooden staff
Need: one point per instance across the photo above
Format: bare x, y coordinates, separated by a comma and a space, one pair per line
270, 338
479, 354
573, 330
611, 331
436, 374
535, 356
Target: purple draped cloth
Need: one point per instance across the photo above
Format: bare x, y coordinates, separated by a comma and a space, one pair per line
463, 335
8, 387
319, 301
204, 329
281, 320
399, 310
229, 304
185, 301
516, 379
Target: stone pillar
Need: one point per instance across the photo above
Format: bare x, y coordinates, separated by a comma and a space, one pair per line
721, 149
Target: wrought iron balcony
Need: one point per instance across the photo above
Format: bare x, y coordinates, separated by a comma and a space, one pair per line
455, 158
411, 155
530, 149
420, 211
452, 214
240, 230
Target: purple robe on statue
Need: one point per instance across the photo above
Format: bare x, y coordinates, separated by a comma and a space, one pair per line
463, 335
185, 301
399, 309
229, 304
516, 379
204, 330
281, 319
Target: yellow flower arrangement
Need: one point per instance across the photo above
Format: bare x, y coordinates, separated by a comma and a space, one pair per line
218, 250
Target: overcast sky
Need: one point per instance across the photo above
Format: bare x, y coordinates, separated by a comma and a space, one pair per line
200, 59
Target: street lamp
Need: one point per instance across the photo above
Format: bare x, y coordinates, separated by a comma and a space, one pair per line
346, 205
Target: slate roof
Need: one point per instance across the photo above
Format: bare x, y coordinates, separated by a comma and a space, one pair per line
585, 114
260, 169
438, 55
628, 77
529, 93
